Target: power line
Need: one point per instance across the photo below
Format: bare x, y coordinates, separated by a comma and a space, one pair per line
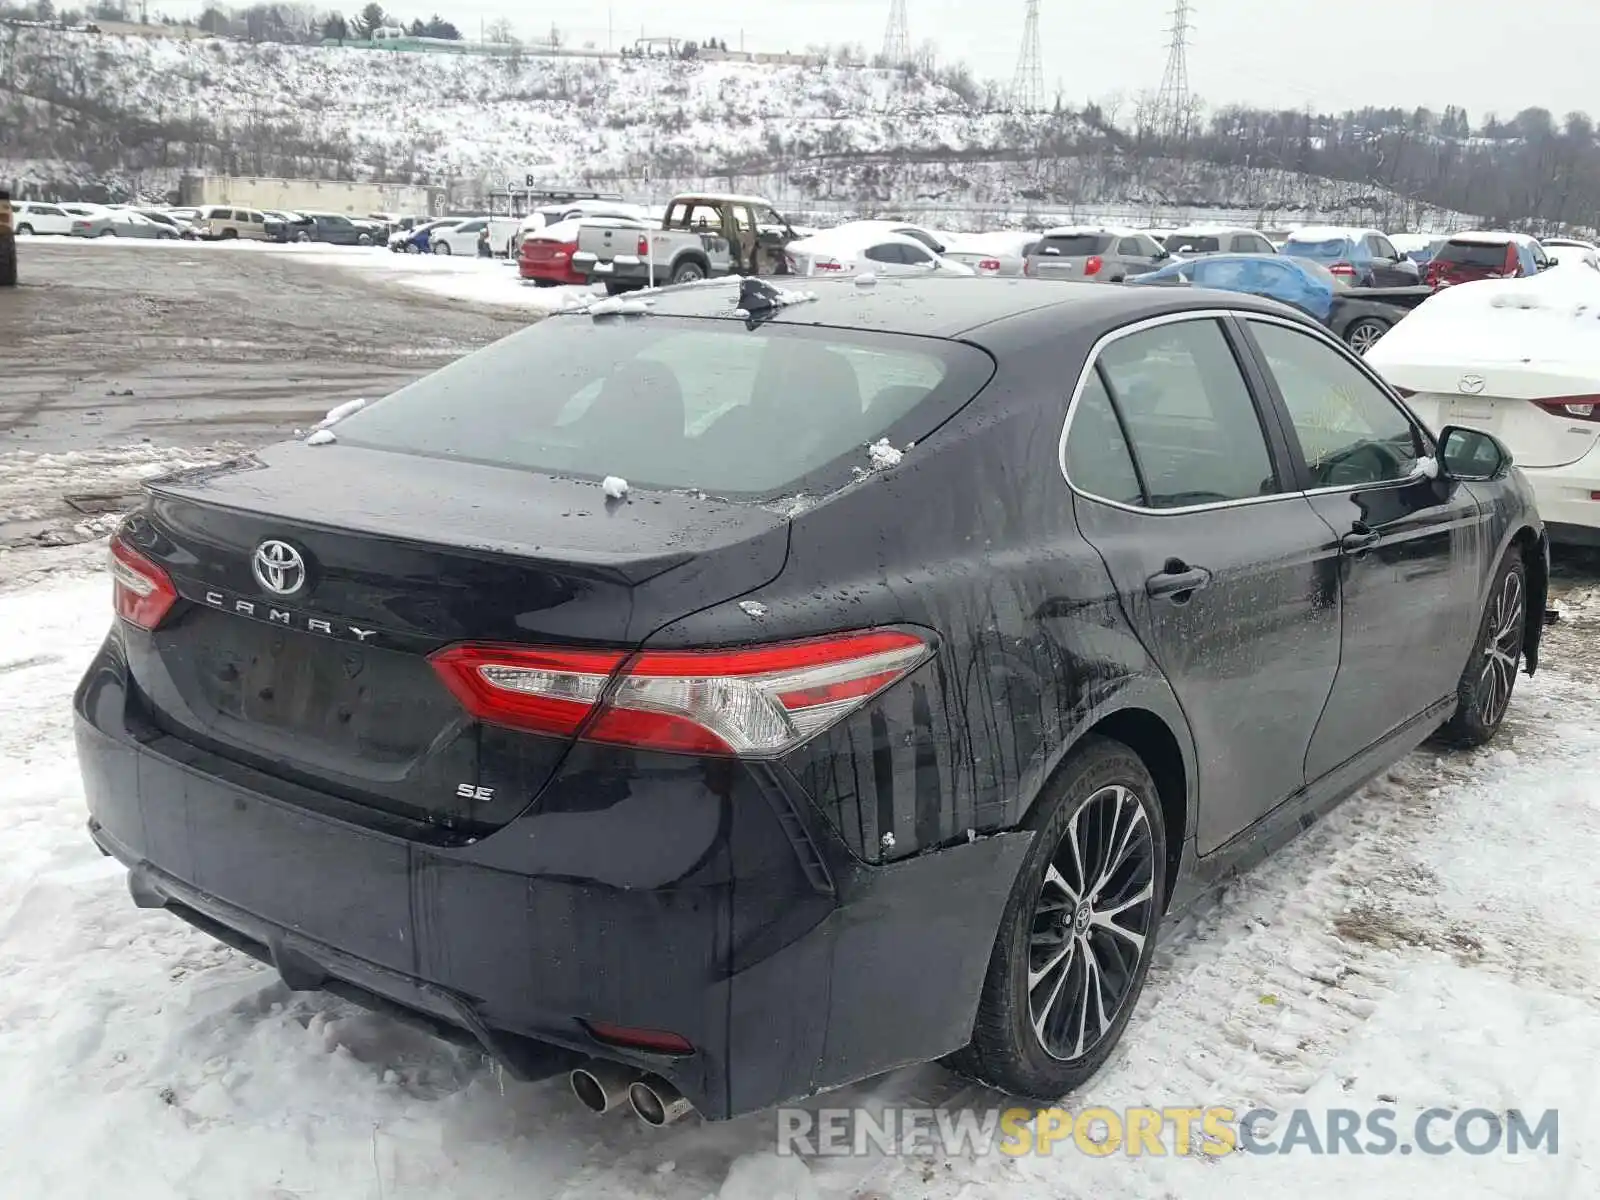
897, 37
1027, 85
1174, 107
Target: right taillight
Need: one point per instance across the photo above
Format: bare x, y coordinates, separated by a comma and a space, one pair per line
644, 246
141, 592
826, 264
754, 701
1342, 268
1585, 408
1093, 264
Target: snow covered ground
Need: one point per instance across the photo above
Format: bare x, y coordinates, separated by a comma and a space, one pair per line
452, 277
1434, 942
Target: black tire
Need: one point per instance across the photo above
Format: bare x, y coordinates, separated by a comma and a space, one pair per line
1362, 334
229, 235
364, 239
1006, 1051
24, 230
442, 248
688, 272
8, 262
1490, 676
613, 288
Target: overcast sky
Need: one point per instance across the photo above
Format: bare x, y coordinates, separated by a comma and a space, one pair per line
1333, 54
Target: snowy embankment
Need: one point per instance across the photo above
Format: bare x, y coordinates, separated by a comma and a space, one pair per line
1433, 943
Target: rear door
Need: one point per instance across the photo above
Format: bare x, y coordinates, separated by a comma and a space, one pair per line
1411, 552
1228, 577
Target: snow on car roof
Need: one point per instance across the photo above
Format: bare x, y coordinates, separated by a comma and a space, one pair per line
1551, 317
854, 237
1327, 233
1073, 230
724, 198
1488, 237
1208, 230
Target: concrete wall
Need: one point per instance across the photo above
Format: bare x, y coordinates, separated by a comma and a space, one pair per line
356, 199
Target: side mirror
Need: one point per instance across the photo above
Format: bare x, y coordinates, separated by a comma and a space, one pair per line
1471, 455
1551, 261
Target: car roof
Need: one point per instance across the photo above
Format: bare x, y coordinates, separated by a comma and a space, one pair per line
1069, 230
855, 235
1210, 230
943, 307
1327, 233
1492, 237
722, 198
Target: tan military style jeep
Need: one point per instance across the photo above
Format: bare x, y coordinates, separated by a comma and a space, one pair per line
8, 243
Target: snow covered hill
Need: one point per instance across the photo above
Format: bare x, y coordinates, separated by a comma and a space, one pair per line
91, 110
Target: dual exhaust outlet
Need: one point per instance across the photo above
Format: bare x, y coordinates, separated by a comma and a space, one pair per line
602, 1087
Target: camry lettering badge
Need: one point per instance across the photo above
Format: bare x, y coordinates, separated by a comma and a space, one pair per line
1470, 384
278, 567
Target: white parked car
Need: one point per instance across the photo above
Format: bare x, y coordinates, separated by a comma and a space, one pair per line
1570, 251
30, 216
1003, 253
461, 238
851, 250
1518, 358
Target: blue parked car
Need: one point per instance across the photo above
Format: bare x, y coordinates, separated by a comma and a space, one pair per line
1364, 257
417, 241
1356, 319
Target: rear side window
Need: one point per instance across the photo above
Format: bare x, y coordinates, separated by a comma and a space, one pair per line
1492, 255
1074, 245
1196, 436
668, 403
1097, 458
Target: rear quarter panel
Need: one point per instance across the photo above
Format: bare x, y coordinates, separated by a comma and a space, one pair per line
972, 536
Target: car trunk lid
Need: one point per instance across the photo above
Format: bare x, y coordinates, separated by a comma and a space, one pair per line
301, 644
1505, 401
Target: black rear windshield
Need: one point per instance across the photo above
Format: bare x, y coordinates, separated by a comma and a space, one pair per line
679, 403
1178, 244
1074, 245
1473, 254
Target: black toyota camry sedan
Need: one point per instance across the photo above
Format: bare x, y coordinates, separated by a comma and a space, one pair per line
721, 698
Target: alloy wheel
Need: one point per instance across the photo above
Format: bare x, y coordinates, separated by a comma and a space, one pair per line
1094, 913
1364, 336
1502, 649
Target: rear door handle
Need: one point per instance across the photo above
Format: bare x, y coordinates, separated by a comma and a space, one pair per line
1176, 582
1358, 539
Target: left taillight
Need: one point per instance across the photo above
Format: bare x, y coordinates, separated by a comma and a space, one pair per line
1092, 264
141, 592
989, 266
755, 701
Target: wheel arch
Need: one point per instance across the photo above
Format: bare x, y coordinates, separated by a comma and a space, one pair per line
1150, 737
697, 257
1535, 550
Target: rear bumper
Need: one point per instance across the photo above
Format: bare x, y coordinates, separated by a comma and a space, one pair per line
655, 892
1563, 494
560, 273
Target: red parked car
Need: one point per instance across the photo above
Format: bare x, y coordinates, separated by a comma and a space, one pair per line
546, 254
1471, 256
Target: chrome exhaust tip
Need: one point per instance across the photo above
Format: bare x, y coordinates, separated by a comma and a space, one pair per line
656, 1102
602, 1086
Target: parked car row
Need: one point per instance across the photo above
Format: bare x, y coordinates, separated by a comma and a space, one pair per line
212, 222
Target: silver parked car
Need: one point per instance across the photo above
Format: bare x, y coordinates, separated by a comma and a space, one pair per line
1094, 253
1195, 240
1002, 253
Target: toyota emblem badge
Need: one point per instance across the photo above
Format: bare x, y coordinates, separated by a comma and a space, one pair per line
279, 568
